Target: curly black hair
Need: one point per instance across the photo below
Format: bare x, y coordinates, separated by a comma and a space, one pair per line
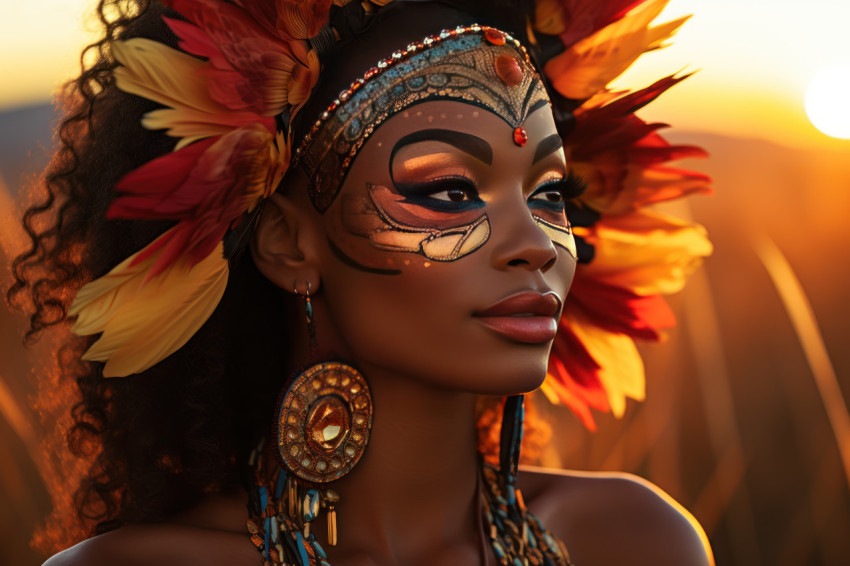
160, 440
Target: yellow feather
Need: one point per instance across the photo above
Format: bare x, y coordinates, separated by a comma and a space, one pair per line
549, 388
645, 251
190, 125
162, 74
144, 322
622, 373
173, 78
589, 65
548, 17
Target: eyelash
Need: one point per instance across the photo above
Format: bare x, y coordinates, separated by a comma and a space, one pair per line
422, 194
568, 188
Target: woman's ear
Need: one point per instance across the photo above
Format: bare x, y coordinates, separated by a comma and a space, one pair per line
283, 244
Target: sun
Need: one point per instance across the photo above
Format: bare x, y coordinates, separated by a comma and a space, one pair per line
828, 101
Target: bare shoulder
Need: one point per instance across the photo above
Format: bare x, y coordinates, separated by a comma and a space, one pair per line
160, 545
614, 518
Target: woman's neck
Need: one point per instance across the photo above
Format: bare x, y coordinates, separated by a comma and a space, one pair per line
417, 477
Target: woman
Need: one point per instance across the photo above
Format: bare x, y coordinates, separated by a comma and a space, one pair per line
279, 234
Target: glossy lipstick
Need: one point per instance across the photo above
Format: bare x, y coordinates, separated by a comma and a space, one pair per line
528, 317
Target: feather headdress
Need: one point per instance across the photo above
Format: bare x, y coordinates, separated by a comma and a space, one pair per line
244, 64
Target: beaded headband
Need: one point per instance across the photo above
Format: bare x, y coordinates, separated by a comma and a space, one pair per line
475, 64
243, 63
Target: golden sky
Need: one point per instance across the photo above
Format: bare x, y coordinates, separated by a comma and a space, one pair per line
40, 44
755, 59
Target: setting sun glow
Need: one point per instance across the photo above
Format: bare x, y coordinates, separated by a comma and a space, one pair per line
827, 101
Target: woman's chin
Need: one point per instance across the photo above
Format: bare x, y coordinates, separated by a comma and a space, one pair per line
511, 377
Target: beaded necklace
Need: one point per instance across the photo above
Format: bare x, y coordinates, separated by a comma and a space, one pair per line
282, 508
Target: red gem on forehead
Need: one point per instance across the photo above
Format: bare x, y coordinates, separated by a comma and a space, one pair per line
495, 36
520, 137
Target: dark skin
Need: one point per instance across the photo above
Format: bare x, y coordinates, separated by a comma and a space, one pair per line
411, 499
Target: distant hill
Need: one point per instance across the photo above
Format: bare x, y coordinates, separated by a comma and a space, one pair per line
25, 141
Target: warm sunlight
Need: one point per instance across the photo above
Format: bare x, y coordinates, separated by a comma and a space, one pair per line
751, 82
826, 101
40, 44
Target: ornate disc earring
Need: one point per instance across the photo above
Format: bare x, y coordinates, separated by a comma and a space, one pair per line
324, 422
322, 428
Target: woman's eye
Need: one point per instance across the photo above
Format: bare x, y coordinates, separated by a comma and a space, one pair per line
555, 194
449, 195
452, 195
550, 197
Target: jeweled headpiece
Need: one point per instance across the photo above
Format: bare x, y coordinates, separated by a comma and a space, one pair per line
247, 69
475, 64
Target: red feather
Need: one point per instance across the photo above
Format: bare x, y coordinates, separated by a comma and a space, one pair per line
619, 310
206, 187
581, 380
301, 19
251, 67
625, 155
583, 18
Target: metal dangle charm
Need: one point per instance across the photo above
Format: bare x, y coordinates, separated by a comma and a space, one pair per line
324, 422
308, 313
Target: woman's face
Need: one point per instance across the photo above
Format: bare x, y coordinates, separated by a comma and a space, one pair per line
447, 253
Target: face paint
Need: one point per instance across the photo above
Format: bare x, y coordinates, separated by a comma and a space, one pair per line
392, 224
477, 65
351, 262
548, 203
560, 235
428, 203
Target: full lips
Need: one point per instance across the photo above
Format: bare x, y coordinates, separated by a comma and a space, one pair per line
525, 329
528, 317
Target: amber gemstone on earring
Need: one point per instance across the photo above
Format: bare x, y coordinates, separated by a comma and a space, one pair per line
508, 69
323, 447
520, 136
495, 36
328, 423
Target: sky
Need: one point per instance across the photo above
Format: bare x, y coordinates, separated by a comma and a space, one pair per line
754, 60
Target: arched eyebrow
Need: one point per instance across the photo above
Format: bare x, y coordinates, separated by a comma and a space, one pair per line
547, 146
467, 143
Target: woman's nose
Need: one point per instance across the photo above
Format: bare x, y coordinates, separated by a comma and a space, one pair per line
520, 241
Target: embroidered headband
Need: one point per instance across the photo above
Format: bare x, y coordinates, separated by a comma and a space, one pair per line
475, 64
245, 64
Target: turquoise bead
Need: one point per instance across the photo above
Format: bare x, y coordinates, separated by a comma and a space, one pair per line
310, 506
497, 548
319, 551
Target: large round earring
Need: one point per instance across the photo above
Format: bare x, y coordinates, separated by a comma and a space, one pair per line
322, 427
324, 421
